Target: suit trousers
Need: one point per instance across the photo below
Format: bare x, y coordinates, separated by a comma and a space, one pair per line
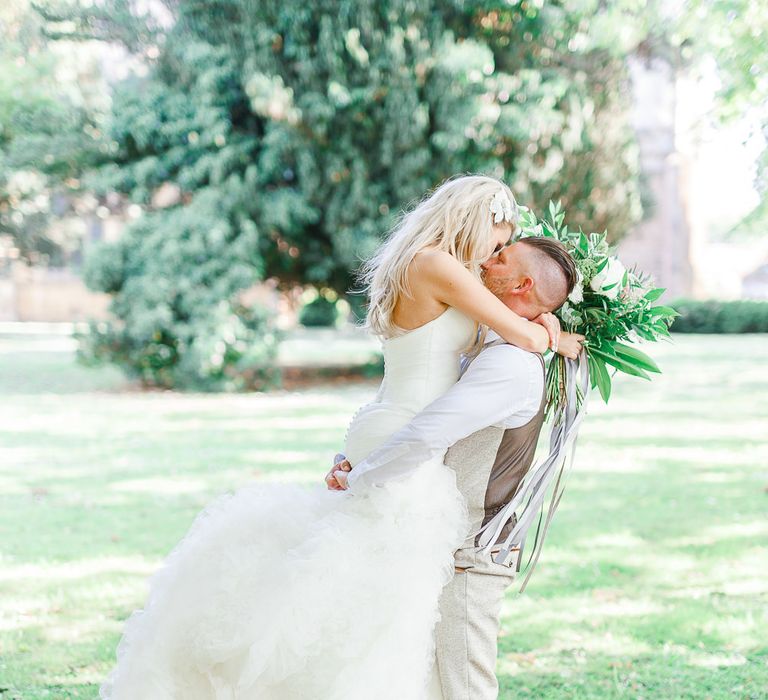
467, 634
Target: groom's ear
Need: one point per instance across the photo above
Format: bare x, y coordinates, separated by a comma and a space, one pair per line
523, 285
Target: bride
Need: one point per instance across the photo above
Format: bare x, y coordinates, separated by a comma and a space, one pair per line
282, 592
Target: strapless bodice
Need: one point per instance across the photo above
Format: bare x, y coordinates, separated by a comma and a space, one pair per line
419, 366
422, 364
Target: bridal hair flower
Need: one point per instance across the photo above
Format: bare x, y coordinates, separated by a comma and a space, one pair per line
502, 208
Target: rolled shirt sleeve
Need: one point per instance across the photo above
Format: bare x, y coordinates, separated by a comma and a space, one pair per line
502, 385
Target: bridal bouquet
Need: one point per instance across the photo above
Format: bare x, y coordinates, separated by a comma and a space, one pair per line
610, 305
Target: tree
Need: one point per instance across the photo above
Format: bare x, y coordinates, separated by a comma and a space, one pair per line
295, 133
46, 137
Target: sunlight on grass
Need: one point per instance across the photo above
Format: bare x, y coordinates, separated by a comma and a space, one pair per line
34, 574
70, 632
603, 604
703, 659
574, 647
652, 583
160, 486
757, 530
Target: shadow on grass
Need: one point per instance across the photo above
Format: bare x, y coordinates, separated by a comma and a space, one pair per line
651, 584
664, 676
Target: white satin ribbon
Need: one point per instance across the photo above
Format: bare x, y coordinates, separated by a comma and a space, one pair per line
533, 488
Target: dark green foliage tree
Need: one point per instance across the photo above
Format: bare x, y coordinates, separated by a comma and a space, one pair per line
295, 132
319, 312
181, 323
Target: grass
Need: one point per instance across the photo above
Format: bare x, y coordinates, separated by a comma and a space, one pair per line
653, 583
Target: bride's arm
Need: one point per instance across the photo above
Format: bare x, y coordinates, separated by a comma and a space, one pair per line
503, 386
454, 285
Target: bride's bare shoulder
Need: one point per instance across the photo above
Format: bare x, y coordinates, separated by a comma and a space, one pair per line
433, 263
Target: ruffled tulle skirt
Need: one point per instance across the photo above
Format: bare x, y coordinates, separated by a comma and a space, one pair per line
281, 592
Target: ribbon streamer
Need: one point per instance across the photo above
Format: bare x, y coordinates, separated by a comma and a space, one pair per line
533, 489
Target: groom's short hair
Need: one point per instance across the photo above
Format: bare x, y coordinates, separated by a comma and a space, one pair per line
558, 269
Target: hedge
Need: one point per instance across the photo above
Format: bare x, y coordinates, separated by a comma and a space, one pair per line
713, 316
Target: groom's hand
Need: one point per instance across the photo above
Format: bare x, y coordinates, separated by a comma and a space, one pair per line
570, 345
338, 482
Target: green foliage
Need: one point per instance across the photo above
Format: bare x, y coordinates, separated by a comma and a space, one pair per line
320, 312
299, 131
358, 306
181, 323
715, 316
608, 304
231, 348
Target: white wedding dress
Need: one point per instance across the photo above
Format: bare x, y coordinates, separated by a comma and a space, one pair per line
283, 592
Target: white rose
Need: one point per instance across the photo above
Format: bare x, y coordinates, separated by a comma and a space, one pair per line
577, 293
611, 274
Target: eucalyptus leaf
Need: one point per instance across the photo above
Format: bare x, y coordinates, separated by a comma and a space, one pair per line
603, 379
621, 364
654, 294
638, 357
663, 312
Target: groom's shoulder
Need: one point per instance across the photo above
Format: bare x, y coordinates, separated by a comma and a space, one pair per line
508, 361
501, 347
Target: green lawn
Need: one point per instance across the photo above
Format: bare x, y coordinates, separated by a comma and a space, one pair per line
653, 584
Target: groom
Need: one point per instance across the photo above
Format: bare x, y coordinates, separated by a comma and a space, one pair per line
490, 419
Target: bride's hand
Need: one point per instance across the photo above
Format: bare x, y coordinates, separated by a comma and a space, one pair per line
332, 481
552, 326
341, 479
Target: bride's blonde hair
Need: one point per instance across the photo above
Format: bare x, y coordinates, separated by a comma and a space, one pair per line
456, 217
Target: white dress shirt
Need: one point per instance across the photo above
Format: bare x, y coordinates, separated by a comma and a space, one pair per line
502, 386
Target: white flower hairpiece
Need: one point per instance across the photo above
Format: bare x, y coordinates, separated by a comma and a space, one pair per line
502, 208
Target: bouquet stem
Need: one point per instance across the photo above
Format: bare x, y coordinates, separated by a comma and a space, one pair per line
555, 386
